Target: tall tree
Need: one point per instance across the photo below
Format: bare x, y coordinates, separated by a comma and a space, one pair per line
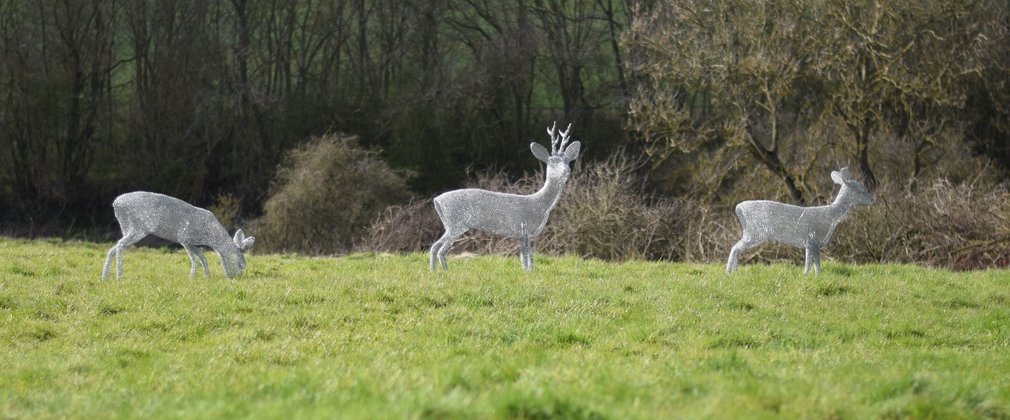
59, 57
805, 84
725, 76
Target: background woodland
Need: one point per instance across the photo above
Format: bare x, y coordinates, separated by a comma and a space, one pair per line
327, 126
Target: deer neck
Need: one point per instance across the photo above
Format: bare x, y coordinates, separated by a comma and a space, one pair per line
225, 248
219, 240
549, 194
842, 204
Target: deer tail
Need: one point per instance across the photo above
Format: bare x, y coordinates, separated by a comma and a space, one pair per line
438, 209
741, 216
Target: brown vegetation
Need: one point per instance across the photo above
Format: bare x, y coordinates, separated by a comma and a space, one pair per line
326, 194
605, 214
958, 226
797, 88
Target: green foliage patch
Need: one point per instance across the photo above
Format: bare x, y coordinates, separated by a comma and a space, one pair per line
371, 335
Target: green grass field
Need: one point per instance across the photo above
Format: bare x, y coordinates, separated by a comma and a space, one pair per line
380, 336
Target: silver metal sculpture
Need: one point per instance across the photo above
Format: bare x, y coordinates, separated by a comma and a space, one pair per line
512, 215
143, 213
809, 228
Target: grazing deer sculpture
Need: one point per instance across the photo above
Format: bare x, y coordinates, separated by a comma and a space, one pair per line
511, 215
809, 228
143, 213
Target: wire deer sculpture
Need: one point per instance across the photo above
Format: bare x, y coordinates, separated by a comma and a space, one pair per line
511, 215
809, 228
143, 213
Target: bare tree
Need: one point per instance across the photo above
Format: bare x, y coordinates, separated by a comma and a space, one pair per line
897, 71
806, 84
59, 59
724, 76
198, 98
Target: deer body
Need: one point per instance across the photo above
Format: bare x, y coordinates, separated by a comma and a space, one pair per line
809, 228
481, 209
143, 213
511, 215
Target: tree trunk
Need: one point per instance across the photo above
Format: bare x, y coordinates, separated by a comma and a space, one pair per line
863, 155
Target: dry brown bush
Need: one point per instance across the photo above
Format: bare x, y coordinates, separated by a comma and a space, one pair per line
603, 213
414, 226
410, 227
606, 214
326, 195
957, 226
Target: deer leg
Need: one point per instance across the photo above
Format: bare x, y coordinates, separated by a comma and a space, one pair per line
734, 254
196, 255
447, 240
529, 254
108, 260
192, 261
119, 262
806, 261
203, 260
524, 253
817, 260
129, 238
432, 254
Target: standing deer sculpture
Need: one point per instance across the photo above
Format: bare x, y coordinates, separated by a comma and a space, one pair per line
809, 228
143, 213
512, 215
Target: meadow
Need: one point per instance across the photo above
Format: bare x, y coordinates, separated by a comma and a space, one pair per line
374, 335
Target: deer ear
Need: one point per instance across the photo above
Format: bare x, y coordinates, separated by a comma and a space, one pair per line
540, 152
248, 243
837, 177
572, 151
846, 174
239, 237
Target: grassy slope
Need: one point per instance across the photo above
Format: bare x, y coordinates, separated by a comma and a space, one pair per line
369, 334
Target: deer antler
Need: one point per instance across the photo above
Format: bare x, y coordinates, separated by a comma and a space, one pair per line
558, 140
554, 139
564, 138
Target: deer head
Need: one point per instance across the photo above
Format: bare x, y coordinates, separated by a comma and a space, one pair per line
561, 153
234, 260
852, 189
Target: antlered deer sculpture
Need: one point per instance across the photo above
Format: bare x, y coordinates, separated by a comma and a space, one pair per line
809, 228
512, 215
143, 213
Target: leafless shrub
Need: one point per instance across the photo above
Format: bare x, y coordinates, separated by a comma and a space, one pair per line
604, 213
408, 227
414, 226
958, 226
